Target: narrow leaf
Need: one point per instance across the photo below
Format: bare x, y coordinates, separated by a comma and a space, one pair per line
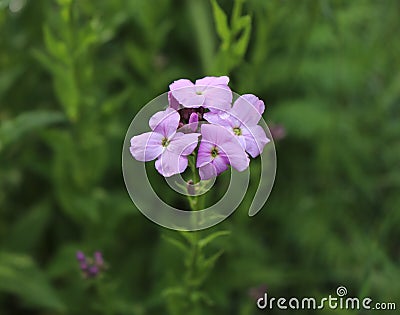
205, 241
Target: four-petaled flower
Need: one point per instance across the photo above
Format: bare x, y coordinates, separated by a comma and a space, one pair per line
165, 144
217, 150
212, 93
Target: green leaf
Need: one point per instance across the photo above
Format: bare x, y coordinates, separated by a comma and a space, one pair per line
221, 23
19, 275
210, 262
240, 46
189, 236
27, 232
236, 16
207, 240
12, 130
68, 93
56, 48
178, 244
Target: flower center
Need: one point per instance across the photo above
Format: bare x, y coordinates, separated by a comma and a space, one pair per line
214, 152
199, 93
237, 131
165, 142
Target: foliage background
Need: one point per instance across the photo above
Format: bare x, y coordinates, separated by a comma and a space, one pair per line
74, 73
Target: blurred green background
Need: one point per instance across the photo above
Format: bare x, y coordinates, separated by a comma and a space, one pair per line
74, 73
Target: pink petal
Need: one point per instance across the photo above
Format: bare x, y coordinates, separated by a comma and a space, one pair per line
169, 164
184, 92
215, 134
218, 98
147, 146
224, 80
183, 144
220, 119
256, 139
213, 169
220, 163
204, 153
173, 103
216, 91
256, 102
207, 171
245, 111
236, 155
165, 122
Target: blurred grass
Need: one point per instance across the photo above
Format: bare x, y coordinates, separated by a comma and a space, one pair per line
74, 73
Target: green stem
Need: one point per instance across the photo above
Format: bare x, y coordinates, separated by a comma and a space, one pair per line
192, 282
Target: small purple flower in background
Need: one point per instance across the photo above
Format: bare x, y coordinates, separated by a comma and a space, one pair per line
278, 131
217, 150
257, 292
227, 131
90, 268
169, 147
242, 121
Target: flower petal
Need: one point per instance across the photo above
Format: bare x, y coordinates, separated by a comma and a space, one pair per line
220, 119
236, 155
255, 101
217, 93
218, 98
207, 171
165, 122
213, 169
173, 103
204, 153
184, 92
256, 139
147, 146
247, 109
183, 144
169, 163
213, 81
220, 163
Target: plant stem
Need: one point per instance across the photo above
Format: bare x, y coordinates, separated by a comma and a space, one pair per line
192, 277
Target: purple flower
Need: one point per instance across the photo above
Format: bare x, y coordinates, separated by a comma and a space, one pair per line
210, 92
83, 266
80, 256
257, 292
90, 268
278, 131
217, 150
242, 121
98, 259
165, 144
93, 271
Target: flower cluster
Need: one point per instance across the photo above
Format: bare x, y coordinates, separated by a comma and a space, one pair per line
90, 268
203, 111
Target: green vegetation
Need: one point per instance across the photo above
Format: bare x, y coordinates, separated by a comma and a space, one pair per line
74, 73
